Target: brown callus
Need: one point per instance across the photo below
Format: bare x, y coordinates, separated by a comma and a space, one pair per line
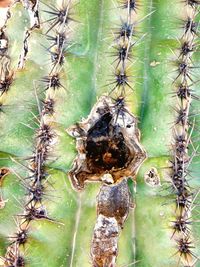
108, 142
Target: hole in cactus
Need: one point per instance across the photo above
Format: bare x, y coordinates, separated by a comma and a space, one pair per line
105, 144
152, 177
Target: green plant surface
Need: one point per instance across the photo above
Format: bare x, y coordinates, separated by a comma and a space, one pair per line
146, 237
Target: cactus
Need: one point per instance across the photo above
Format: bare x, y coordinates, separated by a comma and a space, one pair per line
130, 68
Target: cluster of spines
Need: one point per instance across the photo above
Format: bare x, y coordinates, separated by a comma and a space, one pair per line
57, 34
37, 181
35, 184
182, 143
123, 49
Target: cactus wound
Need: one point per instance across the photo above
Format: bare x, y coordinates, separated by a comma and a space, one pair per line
32, 7
3, 173
113, 203
107, 142
109, 150
7, 76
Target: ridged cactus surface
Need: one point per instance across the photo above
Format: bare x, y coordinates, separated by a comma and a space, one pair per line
122, 78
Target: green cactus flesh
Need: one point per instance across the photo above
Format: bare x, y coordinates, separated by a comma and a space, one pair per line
64, 236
